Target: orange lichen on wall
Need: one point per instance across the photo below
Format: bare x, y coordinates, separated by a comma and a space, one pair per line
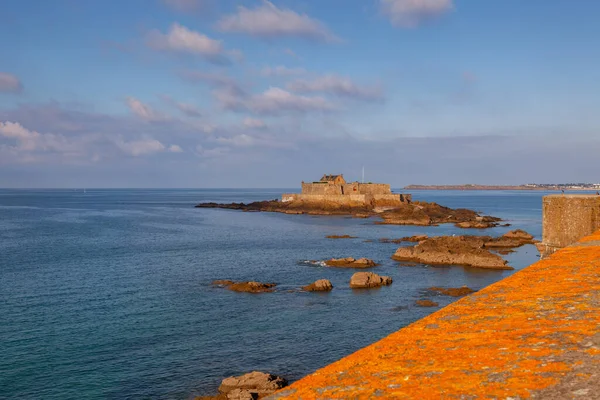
515, 338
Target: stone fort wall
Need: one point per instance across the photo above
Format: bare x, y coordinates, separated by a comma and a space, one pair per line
317, 188
348, 200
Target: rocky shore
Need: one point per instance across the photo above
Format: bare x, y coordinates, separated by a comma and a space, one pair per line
251, 386
411, 213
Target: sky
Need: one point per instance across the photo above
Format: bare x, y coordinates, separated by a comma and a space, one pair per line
224, 93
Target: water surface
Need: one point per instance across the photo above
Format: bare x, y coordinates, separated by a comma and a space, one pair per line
106, 294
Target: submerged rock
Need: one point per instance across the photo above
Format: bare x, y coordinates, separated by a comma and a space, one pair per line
248, 287
368, 280
426, 303
322, 285
250, 386
350, 262
452, 250
340, 237
454, 292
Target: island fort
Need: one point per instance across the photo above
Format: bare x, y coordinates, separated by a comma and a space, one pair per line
335, 189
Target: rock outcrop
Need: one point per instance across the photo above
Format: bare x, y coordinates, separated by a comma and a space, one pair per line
454, 292
424, 214
349, 262
293, 207
510, 240
413, 239
452, 250
407, 213
322, 285
248, 287
250, 386
362, 280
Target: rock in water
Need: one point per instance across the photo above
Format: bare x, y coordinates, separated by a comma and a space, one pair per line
253, 385
368, 280
249, 287
322, 285
350, 262
450, 250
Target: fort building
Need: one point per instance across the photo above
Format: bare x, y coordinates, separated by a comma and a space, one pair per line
334, 189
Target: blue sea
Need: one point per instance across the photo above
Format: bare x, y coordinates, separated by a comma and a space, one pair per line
106, 294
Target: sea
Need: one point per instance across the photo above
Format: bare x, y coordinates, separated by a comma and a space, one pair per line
106, 294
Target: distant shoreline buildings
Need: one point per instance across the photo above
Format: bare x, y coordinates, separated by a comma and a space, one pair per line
528, 186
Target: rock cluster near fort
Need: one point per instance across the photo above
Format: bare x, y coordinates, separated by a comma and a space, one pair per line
425, 214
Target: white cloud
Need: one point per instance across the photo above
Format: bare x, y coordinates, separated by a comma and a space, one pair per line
180, 39
275, 100
336, 85
186, 5
9, 83
269, 21
144, 111
253, 123
411, 13
272, 101
175, 149
282, 70
140, 147
29, 140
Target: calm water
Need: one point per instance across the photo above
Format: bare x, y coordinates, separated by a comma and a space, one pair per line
106, 294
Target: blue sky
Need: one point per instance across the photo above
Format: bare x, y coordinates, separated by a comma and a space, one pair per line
219, 93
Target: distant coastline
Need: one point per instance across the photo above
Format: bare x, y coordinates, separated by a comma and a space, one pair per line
504, 187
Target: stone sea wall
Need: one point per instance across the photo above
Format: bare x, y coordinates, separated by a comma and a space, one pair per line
566, 218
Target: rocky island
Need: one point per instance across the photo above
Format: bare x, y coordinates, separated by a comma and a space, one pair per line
332, 195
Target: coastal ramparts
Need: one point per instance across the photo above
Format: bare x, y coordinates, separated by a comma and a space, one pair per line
535, 334
566, 218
